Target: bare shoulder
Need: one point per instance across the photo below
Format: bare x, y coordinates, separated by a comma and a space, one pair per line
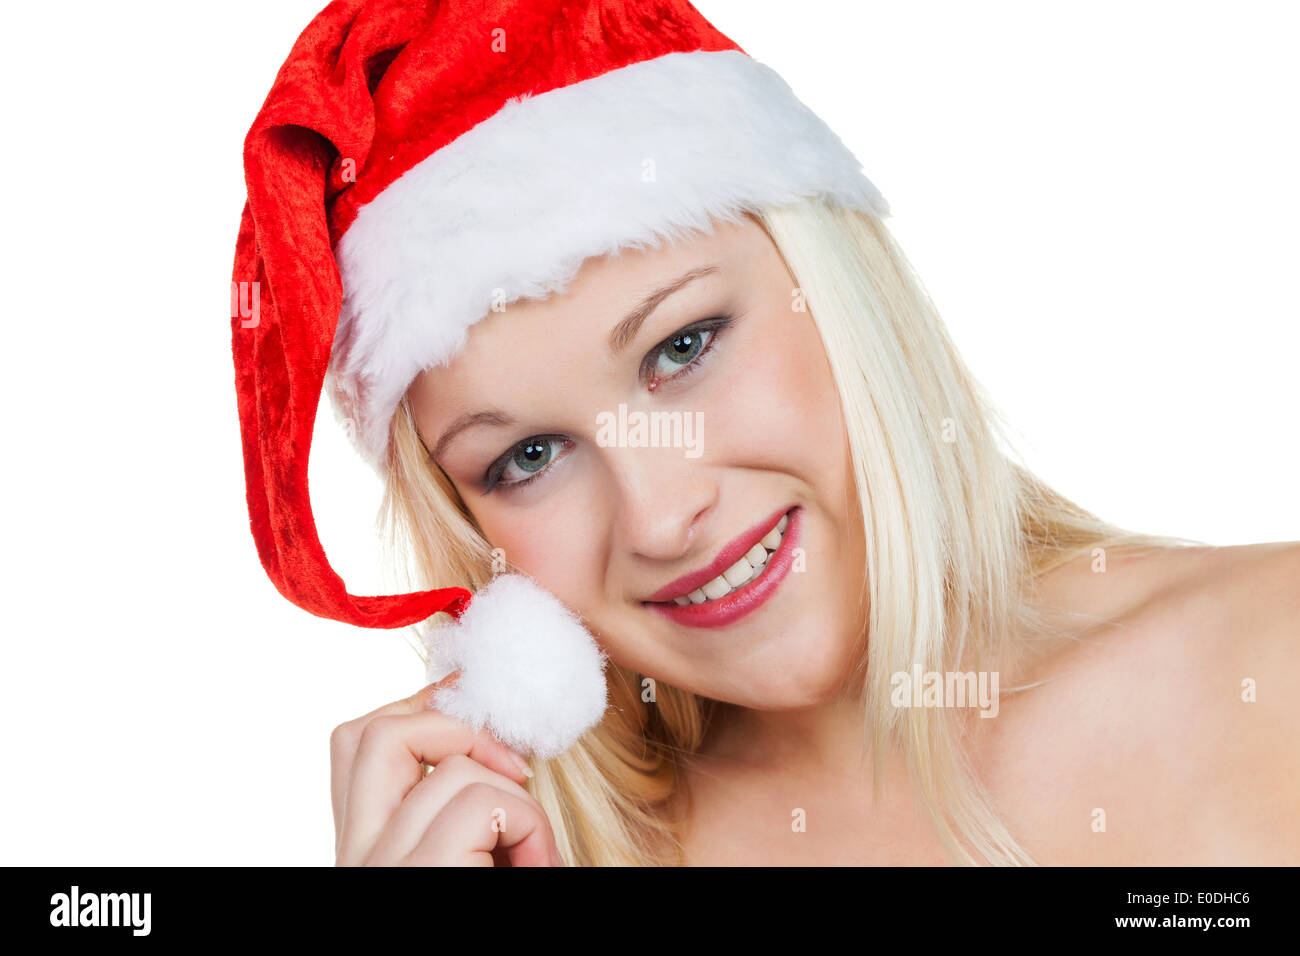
1246, 618
1238, 604
1236, 613
1167, 733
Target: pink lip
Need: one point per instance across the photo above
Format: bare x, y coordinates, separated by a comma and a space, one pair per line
728, 556
737, 604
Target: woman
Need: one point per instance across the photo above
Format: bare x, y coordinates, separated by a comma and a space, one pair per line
628, 217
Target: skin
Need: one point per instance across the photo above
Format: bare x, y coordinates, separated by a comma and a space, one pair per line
606, 527
388, 812
1140, 716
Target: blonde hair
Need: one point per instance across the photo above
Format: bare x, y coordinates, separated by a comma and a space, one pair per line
956, 530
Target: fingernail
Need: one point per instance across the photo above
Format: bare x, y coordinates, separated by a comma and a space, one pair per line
526, 770
430, 691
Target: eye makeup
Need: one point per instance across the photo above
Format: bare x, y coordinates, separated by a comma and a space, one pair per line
701, 337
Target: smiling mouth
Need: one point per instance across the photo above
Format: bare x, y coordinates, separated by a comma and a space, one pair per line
743, 572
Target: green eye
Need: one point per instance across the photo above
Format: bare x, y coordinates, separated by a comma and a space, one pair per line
527, 461
530, 457
680, 350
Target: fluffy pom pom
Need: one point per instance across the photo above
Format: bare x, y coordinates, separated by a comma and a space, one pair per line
531, 673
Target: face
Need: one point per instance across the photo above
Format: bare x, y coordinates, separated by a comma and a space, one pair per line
668, 417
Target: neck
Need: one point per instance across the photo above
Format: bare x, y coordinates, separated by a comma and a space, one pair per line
829, 736
832, 736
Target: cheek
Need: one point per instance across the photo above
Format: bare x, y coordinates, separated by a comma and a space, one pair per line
778, 407
551, 540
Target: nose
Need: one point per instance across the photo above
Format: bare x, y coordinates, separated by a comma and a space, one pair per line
663, 498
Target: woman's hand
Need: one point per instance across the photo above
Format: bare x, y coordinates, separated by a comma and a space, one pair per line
470, 810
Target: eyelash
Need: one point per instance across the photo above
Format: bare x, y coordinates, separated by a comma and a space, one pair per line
713, 327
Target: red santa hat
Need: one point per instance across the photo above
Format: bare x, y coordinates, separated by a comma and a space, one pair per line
416, 163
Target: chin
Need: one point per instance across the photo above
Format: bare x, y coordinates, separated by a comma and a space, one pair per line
797, 676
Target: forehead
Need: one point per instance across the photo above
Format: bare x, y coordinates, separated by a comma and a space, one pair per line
570, 328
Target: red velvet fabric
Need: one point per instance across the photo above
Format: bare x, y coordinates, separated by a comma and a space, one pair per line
371, 88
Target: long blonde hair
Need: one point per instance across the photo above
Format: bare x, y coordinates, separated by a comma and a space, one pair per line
956, 530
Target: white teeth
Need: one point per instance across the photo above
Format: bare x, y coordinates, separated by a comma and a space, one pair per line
716, 588
740, 573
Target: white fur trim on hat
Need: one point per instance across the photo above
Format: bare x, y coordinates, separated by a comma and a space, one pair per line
510, 210
530, 672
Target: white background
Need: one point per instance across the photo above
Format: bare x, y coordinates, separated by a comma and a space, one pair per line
1101, 197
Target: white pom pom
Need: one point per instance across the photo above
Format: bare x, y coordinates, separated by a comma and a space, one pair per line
531, 673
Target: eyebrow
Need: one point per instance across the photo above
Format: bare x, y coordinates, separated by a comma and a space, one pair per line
623, 334
626, 330
493, 416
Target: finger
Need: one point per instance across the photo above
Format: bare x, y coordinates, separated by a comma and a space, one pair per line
477, 820
429, 797
347, 736
388, 764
